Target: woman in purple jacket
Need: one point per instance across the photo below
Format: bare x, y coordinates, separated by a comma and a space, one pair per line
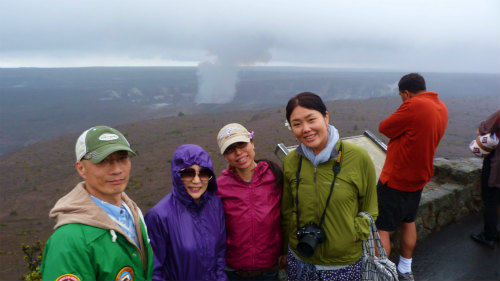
186, 227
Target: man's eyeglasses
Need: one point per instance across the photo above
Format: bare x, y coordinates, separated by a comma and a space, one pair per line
237, 145
188, 174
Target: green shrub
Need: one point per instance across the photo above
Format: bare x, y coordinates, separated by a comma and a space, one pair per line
33, 258
176, 132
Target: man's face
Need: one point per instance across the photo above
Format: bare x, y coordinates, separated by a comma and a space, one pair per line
107, 179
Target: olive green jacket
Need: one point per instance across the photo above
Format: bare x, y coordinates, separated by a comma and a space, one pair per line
354, 191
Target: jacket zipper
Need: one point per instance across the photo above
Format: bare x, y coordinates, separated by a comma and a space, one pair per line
316, 192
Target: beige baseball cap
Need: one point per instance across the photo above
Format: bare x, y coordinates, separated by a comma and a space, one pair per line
232, 133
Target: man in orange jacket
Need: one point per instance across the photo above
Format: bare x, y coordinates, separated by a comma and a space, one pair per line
414, 132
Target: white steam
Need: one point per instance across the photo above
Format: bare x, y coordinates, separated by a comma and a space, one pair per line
217, 79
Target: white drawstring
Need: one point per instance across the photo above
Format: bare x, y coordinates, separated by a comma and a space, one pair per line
113, 235
141, 217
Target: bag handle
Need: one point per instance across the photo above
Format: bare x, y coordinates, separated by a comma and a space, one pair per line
373, 240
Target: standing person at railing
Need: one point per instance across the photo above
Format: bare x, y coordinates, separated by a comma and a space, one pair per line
186, 227
251, 192
490, 185
414, 131
327, 182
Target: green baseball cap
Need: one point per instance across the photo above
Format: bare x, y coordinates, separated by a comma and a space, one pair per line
98, 142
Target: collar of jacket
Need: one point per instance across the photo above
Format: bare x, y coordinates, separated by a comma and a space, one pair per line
260, 169
333, 155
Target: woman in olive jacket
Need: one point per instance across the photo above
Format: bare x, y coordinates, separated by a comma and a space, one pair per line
327, 182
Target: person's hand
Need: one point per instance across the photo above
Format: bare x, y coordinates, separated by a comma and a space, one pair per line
282, 261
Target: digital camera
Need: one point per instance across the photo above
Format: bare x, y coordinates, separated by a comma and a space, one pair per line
309, 237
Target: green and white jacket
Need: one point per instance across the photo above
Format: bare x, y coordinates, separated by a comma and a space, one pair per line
354, 191
88, 245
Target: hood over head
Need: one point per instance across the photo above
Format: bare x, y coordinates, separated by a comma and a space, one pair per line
185, 156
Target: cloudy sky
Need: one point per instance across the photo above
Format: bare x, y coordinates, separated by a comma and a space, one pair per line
402, 35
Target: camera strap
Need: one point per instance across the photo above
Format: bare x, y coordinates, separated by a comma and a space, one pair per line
336, 171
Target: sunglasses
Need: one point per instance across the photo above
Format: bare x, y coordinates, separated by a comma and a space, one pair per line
237, 145
188, 174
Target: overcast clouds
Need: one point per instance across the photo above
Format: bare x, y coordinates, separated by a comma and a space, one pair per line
407, 35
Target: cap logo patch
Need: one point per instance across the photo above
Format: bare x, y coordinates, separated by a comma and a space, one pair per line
228, 131
108, 137
125, 274
68, 277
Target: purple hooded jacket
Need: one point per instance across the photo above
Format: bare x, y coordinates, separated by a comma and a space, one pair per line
188, 238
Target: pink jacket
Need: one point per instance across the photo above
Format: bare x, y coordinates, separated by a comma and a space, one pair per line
252, 211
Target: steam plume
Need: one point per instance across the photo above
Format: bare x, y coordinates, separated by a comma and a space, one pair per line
217, 79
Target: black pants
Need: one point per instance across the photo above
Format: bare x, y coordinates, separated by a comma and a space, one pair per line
491, 201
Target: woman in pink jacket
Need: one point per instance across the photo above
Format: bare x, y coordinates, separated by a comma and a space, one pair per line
251, 192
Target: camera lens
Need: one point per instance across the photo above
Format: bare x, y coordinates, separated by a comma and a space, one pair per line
307, 245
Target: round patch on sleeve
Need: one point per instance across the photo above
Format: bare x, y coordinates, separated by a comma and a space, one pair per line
125, 274
68, 277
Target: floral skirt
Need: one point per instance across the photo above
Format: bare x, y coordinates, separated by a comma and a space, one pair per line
297, 269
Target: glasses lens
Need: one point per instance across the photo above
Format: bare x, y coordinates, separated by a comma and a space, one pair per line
234, 146
188, 173
205, 174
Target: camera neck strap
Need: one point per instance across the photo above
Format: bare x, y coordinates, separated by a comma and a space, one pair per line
336, 171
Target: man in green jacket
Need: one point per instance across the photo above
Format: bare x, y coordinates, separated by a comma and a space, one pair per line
100, 232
